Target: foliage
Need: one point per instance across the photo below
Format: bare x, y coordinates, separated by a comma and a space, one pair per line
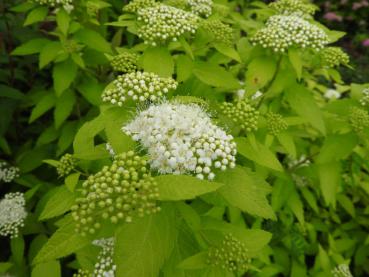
179, 138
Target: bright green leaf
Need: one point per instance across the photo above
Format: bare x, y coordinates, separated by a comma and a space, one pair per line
159, 61
36, 15
64, 74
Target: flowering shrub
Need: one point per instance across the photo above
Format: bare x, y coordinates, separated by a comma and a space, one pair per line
179, 138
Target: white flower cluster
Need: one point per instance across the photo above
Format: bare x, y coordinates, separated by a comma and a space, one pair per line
332, 94
341, 270
201, 7
296, 7
139, 86
284, 31
67, 4
364, 100
135, 5
8, 173
181, 138
12, 214
162, 23
105, 266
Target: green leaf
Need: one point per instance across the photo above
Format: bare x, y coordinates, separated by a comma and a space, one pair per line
91, 90
36, 15
60, 201
330, 178
32, 46
63, 75
17, 247
45, 104
142, 247
259, 72
337, 147
5, 266
215, 75
183, 187
228, 51
347, 204
49, 52
51, 268
93, 40
258, 153
63, 242
159, 61
295, 59
63, 19
9, 92
286, 140
296, 206
67, 134
72, 180
246, 191
302, 101
184, 67
63, 108
197, 261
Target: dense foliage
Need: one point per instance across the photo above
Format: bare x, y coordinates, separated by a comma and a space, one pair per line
179, 138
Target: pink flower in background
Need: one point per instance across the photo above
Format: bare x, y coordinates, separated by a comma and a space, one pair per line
331, 16
365, 42
359, 5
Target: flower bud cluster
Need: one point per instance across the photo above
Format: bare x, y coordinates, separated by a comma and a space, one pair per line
13, 214
296, 7
117, 193
359, 119
162, 23
8, 173
83, 273
284, 31
364, 100
180, 4
220, 32
135, 5
125, 62
242, 113
201, 7
66, 165
231, 255
105, 266
139, 86
276, 123
334, 56
181, 138
341, 270
67, 4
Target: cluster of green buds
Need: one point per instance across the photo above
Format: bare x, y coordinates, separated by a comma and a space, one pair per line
66, 165
13, 214
219, 31
180, 4
364, 100
83, 273
334, 56
231, 255
8, 173
201, 7
117, 193
135, 5
242, 113
284, 31
105, 265
342, 270
125, 62
297, 7
161, 24
359, 119
275, 123
139, 86
66, 4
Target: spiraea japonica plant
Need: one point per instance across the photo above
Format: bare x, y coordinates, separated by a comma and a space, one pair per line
179, 138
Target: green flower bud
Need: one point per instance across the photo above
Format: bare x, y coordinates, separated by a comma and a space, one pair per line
359, 119
119, 200
231, 255
364, 100
276, 123
67, 4
139, 86
334, 56
66, 165
83, 273
135, 5
201, 7
219, 31
242, 113
298, 7
125, 62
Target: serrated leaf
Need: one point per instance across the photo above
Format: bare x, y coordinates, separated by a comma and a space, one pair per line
63, 242
32, 46
159, 61
93, 40
259, 72
330, 178
72, 180
246, 191
286, 140
64, 74
337, 147
227, 51
296, 61
63, 19
184, 66
60, 201
36, 15
45, 104
63, 108
51, 268
49, 52
183, 187
142, 247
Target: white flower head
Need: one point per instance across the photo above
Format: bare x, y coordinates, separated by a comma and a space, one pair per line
12, 214
364, 100
298, 7
66, 4
181, 138
8, 173
284, 31
201, 7
105, 266
332, 94
342, 270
